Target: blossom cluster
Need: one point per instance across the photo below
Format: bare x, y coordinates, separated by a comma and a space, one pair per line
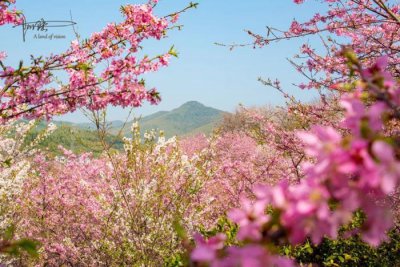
369, 28
16, 152
33, 92
7, 15
346, 173
118, 210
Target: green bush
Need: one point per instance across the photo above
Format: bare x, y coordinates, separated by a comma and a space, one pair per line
349, 252
344, 252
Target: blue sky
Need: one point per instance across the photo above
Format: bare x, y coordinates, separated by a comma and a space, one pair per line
204, 72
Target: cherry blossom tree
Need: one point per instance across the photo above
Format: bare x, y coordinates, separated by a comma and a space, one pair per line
34, 91
352, 162
344, 174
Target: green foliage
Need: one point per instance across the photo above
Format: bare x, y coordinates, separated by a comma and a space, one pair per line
348, 252
172, 51
23, 245
75, 139
331, 253
225, 226
14, 248
176, 261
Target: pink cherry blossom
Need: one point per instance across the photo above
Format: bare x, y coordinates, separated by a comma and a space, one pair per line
206, 250
250, 217
118, 44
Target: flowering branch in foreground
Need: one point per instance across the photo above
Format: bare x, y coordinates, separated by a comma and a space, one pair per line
32, 92
345, 174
